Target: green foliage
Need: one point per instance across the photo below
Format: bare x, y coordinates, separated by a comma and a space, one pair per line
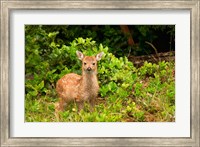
161, 36
154, 91
123, 95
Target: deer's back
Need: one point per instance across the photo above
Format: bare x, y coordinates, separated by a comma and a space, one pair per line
67, 86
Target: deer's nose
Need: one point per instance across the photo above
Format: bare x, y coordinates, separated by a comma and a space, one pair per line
89, 68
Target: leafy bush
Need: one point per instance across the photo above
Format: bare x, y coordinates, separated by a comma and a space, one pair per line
123, 95
161, 36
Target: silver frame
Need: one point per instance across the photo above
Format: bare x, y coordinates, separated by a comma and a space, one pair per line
193, 6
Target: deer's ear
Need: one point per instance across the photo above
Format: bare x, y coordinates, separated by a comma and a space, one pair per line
98, 56
79, 55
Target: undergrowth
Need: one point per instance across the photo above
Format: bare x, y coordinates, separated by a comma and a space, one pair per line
126, 93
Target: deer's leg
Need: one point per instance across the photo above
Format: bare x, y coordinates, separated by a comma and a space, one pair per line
80, 105
61, 105
92, 104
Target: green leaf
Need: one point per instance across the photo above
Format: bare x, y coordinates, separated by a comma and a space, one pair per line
33, 93
40, 86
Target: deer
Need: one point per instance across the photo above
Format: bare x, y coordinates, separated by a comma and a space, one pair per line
79, 88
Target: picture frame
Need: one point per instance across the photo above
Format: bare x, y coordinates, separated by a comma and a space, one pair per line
8, 6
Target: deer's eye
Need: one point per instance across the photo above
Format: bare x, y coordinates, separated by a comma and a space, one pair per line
93, 63
85, 63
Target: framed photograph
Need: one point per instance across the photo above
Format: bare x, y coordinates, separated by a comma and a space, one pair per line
33, 59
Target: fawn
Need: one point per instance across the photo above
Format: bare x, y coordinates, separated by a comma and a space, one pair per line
73, 87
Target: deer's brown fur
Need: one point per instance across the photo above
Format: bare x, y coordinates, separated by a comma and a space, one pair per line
73, 87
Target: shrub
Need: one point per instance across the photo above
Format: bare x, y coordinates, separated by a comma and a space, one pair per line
126, 93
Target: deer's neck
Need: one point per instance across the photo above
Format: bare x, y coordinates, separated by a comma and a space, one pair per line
89, 80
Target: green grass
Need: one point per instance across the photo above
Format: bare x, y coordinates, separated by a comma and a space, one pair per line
152, 99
